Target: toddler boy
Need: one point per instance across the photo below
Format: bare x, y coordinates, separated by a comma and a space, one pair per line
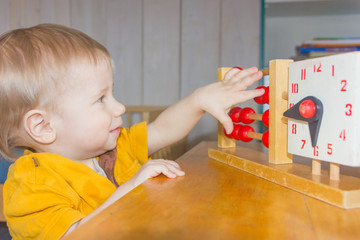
56, 100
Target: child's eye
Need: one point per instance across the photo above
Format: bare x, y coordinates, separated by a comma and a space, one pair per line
101, 99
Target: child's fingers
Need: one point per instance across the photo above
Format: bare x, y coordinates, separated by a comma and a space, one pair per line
228, 126
173, 173
243, 82
236, 74
226, 121
167, 162
249, 94
231, 73
252, 78
169, 168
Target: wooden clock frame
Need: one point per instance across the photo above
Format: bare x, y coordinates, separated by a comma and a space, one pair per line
276, 164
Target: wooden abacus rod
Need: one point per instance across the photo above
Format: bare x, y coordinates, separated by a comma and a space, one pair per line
265, 71
255, 135
256, 116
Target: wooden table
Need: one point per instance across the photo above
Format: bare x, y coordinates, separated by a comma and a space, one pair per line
216, 201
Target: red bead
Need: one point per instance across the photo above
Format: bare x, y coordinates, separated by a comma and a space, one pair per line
244, 115
243, 133
307, 108
234, 114
236, 132
265, 118
260, 99
238, 68
265, 139
266, 95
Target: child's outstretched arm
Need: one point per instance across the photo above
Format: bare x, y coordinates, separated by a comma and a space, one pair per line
177, 121
150, 169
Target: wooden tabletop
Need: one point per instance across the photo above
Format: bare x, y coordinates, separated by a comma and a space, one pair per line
217, 201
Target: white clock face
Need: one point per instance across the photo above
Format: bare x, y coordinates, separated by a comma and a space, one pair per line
335, 81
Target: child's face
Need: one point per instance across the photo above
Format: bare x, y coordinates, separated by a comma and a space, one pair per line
89, 119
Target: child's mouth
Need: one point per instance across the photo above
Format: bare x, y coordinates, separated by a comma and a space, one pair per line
116, 130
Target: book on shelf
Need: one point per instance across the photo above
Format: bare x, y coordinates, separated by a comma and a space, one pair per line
332, 42
318, 47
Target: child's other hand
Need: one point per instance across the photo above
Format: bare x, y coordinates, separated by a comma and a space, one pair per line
217, 98
153, 168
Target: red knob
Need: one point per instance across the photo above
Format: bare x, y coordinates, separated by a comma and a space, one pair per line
243, 133
244, 115
307, 108
260, 99
266, 95
265, 139
234, 114
265, 118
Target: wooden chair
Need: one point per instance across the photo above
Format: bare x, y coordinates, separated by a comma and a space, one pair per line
136, 114
2, 217
4, 165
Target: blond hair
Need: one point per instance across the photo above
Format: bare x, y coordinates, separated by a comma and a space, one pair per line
33, 63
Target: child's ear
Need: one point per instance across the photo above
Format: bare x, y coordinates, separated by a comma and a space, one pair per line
39, 127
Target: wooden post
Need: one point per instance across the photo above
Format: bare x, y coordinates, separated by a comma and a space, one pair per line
224, 141
279, 79
334, 171
316, 167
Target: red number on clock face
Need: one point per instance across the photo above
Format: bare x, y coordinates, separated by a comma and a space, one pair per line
342, 135
303, 74
343, 83
349, 108
303, 143
293, 131
330, 150
316, 151
294, 88
317, 69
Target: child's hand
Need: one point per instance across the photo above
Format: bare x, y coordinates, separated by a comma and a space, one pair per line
217, 98
153, 168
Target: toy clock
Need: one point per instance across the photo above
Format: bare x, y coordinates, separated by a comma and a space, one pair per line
324, 108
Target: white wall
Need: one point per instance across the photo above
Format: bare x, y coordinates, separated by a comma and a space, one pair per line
163, 49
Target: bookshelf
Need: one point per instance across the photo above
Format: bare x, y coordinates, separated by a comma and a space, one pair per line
288, 23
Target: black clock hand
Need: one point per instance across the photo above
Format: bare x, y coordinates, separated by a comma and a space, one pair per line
308, 109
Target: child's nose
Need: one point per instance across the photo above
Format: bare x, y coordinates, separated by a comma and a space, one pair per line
119, 109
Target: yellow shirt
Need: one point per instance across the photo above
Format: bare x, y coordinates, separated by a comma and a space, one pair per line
46, 193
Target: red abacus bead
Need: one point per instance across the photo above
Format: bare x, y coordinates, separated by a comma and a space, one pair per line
266, 95
243, 133
244, 115
236, 132
307, 108
238, 68
265, 139
265, 118
235, 114
260, 99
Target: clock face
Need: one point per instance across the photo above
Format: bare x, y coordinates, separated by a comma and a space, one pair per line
335, 82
